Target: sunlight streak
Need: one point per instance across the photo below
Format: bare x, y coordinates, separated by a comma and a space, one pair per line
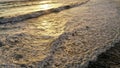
49, 6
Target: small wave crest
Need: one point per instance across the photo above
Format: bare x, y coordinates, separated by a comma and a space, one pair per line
35, 14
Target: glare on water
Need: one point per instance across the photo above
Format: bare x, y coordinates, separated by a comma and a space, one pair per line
9, 10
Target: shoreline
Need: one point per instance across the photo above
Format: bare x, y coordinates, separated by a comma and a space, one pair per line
19, 18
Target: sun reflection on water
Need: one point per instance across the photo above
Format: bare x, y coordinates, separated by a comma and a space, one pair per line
48, 6
27, 8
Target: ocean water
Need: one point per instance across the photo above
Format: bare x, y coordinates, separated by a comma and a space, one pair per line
16, 8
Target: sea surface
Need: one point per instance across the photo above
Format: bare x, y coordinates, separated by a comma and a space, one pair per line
16, 8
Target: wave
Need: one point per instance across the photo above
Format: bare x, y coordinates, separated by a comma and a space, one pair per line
16, 4
19, 18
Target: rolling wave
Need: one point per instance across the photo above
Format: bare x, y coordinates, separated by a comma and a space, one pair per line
35, 14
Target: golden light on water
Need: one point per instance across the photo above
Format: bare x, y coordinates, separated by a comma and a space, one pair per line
45, 6
48, 6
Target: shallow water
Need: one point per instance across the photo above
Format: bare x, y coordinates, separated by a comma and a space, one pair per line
20, 8
72, 35
10, 9
31, 38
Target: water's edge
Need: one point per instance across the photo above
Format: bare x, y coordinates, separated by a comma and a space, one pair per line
19, 18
